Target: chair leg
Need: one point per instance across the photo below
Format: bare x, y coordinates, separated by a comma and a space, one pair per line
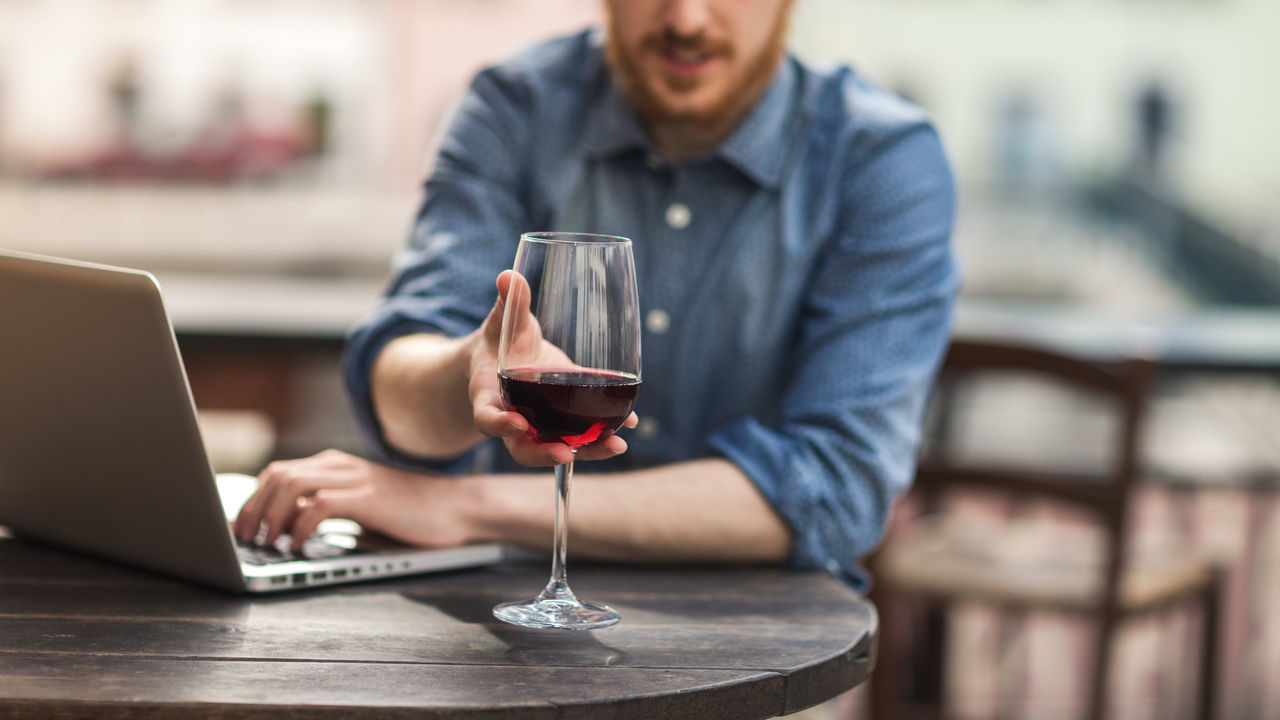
883, 683
889, 697
1209, 647
1013, 670
931, 679
1101, 668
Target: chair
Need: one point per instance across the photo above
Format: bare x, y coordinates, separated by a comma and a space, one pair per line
936, 560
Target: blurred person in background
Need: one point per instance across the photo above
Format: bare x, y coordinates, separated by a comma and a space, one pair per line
792, 240
1154, 115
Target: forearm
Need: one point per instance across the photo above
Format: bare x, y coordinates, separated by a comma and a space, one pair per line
696, 511
419, 390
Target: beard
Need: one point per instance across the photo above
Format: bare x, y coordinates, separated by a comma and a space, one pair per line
722, 111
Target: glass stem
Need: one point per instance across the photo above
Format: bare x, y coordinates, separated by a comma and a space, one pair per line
558, 587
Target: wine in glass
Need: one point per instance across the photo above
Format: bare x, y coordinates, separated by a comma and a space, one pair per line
569, 363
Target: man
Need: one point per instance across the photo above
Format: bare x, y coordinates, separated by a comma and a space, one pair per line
791, 232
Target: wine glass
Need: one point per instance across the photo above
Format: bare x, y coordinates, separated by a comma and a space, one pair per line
569, 363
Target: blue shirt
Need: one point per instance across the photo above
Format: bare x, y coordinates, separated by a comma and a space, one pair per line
796, 283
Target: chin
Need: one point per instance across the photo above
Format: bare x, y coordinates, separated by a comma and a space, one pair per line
689, 109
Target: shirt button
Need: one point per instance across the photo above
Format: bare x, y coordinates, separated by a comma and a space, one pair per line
678, 216
647, 428
657, 322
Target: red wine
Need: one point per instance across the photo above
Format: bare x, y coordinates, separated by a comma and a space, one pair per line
571, 406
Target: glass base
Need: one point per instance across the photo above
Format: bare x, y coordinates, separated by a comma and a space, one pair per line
556, 612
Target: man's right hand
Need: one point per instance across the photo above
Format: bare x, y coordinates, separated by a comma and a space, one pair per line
490, 414
293, 496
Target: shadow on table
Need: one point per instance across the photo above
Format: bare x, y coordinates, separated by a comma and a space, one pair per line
526, 646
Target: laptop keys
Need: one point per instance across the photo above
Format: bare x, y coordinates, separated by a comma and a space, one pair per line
314, 548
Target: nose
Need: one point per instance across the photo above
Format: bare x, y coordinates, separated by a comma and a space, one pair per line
687, 18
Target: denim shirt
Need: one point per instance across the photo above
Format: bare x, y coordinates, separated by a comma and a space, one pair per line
796, 284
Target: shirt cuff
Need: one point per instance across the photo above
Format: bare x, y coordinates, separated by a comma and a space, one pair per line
798, 490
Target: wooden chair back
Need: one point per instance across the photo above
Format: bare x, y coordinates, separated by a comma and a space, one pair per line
1104, 495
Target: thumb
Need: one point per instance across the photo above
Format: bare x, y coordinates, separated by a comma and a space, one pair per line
493, 323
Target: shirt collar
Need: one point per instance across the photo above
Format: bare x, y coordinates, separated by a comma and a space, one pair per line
755, 147
616, 127
758, 145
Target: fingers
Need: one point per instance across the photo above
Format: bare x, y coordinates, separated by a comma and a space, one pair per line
525, 346
324, 504
514, 431
250, 518
493, 323
603, 449
273, 507
494, 420
513, 290
283, 505
531, 453
489, 412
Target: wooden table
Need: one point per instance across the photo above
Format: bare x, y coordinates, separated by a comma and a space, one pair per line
87, 638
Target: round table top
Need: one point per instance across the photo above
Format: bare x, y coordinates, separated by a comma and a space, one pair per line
89, 637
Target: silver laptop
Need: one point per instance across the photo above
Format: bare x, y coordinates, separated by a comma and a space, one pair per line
100, 451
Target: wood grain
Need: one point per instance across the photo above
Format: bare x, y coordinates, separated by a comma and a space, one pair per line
88, 638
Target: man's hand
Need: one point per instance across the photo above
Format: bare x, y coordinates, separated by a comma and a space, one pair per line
490, 414
293, 496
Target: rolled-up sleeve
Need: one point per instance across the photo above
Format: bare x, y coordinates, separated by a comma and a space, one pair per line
466, 232
875, 323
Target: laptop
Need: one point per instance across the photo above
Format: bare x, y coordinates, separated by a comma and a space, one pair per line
100, 451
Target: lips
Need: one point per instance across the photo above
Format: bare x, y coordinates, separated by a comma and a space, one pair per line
684, 60
686, 56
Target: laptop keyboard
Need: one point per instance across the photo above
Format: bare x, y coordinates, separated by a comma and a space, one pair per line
313, 549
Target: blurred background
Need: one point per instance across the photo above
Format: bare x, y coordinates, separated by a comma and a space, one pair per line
1118, 165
